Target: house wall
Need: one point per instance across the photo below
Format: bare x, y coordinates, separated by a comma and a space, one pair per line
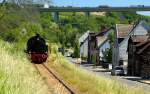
92, 52
105, 44
139, 64
123, 55
84, 49
144, 62
83, 41
130, 58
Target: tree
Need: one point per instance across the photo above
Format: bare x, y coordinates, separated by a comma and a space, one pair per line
2, 9
131, 16
20, 2
113, 15
107, 54
77, 50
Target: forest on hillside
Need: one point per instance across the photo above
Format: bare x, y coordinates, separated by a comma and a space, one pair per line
19, 22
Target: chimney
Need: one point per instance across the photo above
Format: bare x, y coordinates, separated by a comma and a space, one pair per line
103, 28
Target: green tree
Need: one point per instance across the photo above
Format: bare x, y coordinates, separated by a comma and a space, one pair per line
2, 9
77, 50
107, 54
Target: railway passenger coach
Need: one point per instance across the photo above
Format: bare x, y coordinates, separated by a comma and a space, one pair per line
37, 49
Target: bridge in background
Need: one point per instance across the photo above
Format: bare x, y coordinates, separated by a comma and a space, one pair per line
87, 10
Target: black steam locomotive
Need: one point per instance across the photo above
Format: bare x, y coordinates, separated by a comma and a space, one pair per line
37, 49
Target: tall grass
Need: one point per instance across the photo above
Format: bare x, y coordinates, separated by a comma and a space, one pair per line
17, 75
84, 82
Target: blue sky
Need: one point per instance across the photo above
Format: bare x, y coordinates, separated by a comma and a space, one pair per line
92, 3
100, 2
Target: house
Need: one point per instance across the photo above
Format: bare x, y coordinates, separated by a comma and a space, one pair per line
138, 56
94, 40
141, 28
102, 42
122, 32
88, 47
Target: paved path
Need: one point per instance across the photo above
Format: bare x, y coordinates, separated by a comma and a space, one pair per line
130, 81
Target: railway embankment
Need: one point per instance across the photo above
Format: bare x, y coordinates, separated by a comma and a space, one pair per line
17, 76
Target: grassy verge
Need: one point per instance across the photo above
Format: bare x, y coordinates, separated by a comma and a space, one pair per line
17, 76
87, 83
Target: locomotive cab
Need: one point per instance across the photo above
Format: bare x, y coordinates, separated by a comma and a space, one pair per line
37, 49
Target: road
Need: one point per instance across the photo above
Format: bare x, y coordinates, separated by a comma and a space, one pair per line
130, 81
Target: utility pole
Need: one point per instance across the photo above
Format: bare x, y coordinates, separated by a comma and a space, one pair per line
87, 14
115, 53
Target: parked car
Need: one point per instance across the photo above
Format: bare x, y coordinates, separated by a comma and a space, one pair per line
68, 52
72, 55
118, 70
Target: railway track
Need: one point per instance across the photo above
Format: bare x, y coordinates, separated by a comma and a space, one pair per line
52, 80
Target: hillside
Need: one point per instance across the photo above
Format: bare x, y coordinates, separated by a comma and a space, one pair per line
72, 25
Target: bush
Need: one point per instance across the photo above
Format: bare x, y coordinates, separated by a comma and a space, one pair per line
9, 36
77, 50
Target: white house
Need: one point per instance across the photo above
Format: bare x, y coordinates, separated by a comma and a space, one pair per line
121, 30
83, 41
102, 41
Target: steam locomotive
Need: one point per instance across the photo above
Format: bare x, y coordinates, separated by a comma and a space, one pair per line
37, 49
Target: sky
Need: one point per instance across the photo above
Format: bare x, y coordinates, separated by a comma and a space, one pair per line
94, 3
91, 3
